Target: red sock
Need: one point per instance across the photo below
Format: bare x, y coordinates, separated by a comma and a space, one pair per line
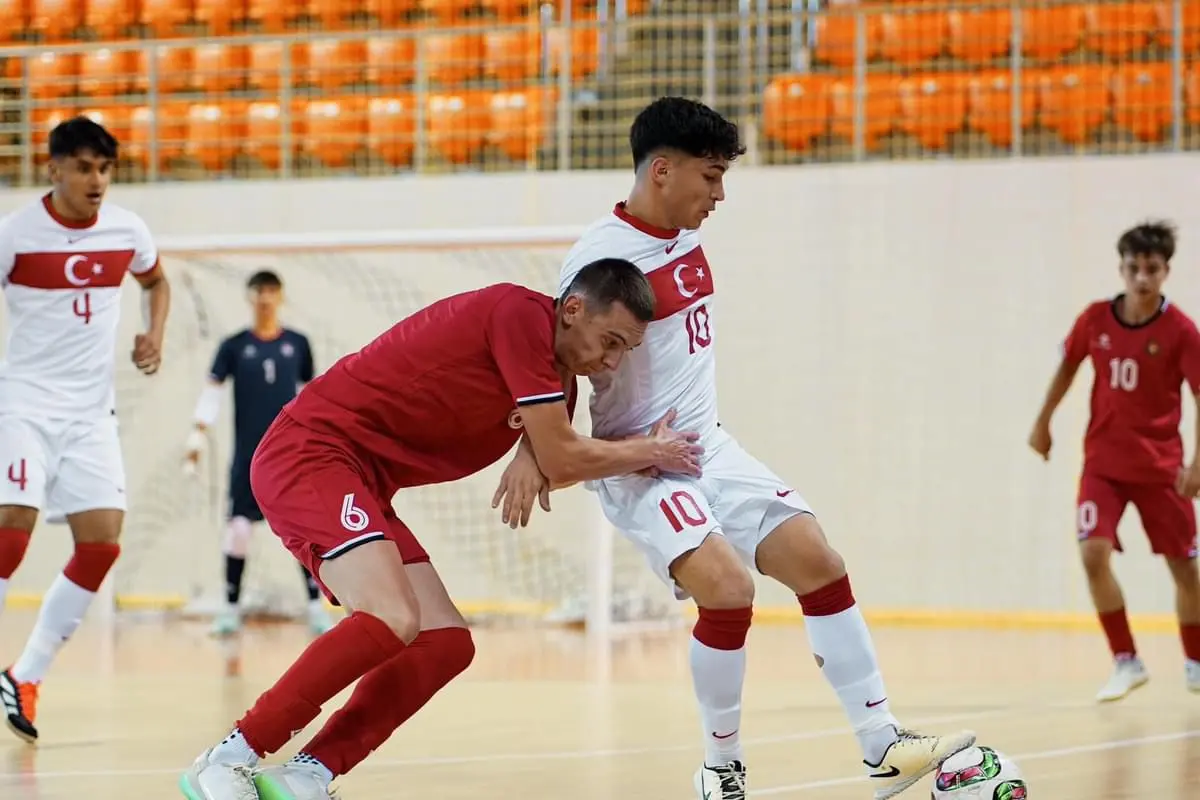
13, 544
832, 598
91, 564
388, 695
1116, 628
1190, 634
354, 647
723, 628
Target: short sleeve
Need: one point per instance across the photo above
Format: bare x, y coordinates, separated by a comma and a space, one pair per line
1189, 356
521, 337
145, 252
1075, 347
222, 366
307, 367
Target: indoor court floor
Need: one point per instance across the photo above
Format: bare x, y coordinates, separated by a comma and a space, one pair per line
544, 715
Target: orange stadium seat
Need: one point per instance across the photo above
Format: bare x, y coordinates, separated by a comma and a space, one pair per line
391, 129
1119, 30
1191, 94
264, 65
520, 121
332, 129
1191, 26
452, 58
272, 16
111, 19
219, 15
879, 113
989, 105
53, 74
1141, 95
457, 124
329, 15
446, 12
978, 35
264, 132
585, 49
114, 118
931, 107
390, 61
1074, 101
388, 13
836, 34
1051, 32
44, 120
218, 68
214, 132
511, 10
796, 109
330, 64
55, 20
163, 17
170, 123
14, 18
106, 72
910, 38
174, 68
512, 55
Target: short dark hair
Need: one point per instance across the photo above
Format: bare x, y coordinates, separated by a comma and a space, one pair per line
264, 277
614, 280
1154, 237
82, 133
676, 123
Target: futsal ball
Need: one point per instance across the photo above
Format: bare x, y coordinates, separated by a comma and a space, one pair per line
979, 773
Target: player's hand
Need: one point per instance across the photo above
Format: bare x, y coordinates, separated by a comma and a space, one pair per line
1040, 441
679, 451
147, 352
1187, 482
521, 483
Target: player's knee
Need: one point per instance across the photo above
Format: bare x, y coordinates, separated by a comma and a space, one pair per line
402, 617
91, 563
1185, 573
714, 575
237, 537
1096, 555
18, 517
723, 628
456, 650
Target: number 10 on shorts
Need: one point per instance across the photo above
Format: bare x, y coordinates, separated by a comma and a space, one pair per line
681, 509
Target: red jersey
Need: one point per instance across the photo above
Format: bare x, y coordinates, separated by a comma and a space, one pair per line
1133, 432
435, 398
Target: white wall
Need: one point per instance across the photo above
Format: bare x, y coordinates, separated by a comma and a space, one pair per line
886, 333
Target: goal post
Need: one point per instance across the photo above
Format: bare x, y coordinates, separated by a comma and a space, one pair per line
341, 290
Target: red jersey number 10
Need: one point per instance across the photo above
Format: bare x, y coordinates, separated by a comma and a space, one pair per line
1122, 374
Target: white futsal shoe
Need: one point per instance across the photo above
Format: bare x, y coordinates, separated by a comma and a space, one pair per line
227, 622
1192, 671
213, 780
293, 781
911, 757
1127, 675
726, 782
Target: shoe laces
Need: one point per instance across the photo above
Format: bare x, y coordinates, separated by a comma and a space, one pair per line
733, 780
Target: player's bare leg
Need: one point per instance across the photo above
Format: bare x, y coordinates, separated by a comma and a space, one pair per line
385, 617
724, 594
96, 534
383, 700
1128, 670
1187, 607
798, 555
19, 700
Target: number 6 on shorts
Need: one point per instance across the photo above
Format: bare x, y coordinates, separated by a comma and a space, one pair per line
354, 519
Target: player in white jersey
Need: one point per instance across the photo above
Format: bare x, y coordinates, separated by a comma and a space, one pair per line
703, 535
62, 260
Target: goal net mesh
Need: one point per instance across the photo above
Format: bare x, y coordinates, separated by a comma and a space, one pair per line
341, 298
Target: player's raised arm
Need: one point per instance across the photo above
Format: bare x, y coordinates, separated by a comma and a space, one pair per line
601, 317
147, 347
1074, 350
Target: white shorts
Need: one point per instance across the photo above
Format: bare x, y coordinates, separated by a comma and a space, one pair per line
737, 497
66, 466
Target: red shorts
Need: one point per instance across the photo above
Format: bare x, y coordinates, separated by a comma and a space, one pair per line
317, 498
1168, 519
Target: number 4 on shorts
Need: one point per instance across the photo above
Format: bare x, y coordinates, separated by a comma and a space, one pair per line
354, 519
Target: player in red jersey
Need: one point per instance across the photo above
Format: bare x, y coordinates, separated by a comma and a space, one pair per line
441, 395
1142, 349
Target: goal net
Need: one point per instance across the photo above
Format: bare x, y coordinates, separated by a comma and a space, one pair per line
342, 291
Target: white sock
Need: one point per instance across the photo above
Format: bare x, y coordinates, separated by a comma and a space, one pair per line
234, 749
3, 592
843, 647
717, 676
306, 762
62, 610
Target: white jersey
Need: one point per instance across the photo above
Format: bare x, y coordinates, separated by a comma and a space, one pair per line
62, 283
675, 366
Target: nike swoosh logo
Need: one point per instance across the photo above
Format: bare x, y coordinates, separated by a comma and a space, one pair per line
876, 703
671, 246
891, 773
726, 736
783, 493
